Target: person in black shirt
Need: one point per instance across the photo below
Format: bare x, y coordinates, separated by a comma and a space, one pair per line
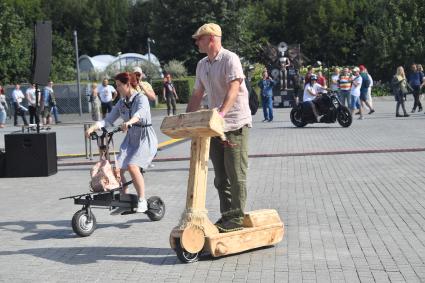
169, 94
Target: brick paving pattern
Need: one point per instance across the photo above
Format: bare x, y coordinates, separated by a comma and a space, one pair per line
348, 217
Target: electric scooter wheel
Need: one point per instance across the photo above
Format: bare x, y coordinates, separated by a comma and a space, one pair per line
296, 118
81, 224
183, 255
156, 209
344, 117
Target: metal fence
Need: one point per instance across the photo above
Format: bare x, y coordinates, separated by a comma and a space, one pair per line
66, 97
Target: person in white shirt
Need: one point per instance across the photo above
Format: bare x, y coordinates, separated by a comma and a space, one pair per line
17, 97
312, 92
356, 83
30, 96
3, 108
107, 95
369, 90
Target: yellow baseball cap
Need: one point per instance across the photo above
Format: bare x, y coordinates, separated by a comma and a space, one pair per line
208, 29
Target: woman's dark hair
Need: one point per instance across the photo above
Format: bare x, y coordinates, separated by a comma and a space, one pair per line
127, 77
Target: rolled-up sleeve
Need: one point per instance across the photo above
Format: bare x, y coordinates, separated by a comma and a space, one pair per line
234, 69
198, 82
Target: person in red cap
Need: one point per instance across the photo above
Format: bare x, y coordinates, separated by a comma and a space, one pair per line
364, 89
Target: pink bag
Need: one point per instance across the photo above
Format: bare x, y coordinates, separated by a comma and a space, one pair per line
103, 176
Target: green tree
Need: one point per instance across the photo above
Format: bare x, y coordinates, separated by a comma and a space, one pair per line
138, 26
63, 59
396, 36
261, 22
15, 47
29, 11
173, 22
113, 15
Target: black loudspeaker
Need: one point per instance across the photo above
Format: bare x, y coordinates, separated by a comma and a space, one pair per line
42, 52
2, 163
31, 155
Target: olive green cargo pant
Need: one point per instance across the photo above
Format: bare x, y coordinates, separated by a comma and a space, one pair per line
230, 167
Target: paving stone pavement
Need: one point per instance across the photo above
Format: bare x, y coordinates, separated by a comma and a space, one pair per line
348, 217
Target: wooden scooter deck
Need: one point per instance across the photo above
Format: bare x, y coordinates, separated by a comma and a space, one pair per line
261, 228
243, 240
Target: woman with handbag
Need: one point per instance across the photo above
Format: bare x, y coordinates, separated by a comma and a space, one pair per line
140, 143
400, 88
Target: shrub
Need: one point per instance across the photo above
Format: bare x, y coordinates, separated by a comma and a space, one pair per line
182, 88
257, 73
176, 69
381, 89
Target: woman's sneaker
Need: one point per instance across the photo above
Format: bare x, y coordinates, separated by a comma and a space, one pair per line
142, 206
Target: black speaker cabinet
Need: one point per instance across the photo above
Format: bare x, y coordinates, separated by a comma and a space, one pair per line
42, 52
2, 163
31, 155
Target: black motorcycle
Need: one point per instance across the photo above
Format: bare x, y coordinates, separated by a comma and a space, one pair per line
328, 106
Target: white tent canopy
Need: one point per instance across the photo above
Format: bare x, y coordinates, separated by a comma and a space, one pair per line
102, 63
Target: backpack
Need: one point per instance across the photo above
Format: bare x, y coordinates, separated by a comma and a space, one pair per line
253, 98
365, 81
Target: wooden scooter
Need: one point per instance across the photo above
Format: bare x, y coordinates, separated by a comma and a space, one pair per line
195, 233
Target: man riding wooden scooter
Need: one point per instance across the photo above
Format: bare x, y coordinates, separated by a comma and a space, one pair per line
220, 75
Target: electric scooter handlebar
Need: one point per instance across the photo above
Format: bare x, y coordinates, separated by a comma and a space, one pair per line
95, 135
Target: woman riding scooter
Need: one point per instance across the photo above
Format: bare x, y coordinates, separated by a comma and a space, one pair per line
140, 144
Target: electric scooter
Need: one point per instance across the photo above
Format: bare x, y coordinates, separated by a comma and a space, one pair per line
84, 222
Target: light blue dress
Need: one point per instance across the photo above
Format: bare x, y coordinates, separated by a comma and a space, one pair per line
140, 144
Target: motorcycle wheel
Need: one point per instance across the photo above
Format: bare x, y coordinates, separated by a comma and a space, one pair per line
296, 118
344, 117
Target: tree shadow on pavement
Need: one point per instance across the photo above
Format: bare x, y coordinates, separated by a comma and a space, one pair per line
90, 255
41, 230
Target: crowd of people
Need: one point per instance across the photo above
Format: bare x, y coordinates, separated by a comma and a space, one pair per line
26, 104
103, 97
353, 86
402, 86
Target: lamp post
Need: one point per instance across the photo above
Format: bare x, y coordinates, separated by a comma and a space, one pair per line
149, 48
78, 72
119, 59
149, 40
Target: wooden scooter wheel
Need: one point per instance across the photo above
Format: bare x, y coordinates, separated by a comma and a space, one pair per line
192, 239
